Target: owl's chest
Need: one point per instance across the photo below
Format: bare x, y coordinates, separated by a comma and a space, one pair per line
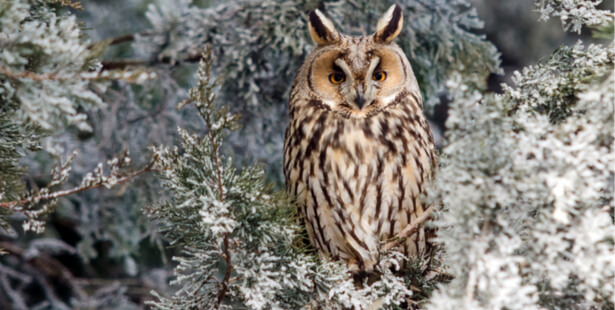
354, 159
345, 149
362, 177
385, 156
343, 154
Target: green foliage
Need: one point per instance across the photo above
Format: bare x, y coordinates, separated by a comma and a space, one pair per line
48, 78
223, 219
16, 137
575, 14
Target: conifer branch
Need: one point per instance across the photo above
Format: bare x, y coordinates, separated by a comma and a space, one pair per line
226, 251
75, 5
100, 183
123, 63
209, 99
137, 76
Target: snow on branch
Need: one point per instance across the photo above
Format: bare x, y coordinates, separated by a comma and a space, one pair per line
574, 13
238, 240
527, 187
30, 203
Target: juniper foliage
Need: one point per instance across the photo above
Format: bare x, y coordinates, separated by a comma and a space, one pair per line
261, 44
575, 14
238, 239
49, 81
48, 77
527, 183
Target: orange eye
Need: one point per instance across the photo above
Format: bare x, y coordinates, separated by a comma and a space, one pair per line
379, 76
337, 77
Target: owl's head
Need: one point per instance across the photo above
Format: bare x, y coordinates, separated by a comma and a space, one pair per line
358, 75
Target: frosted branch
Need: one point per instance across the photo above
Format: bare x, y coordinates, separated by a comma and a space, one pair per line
92, 180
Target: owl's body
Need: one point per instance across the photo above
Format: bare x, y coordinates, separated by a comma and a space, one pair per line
358, 149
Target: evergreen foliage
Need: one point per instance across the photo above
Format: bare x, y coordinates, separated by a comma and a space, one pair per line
49, 81
525, 188
48, 76
575, 14
260, 46
237, 238
527, 185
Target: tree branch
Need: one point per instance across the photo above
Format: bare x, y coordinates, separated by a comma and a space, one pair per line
41, 77
227, 273
123, 63
121, 39
127, 38
408, 231
58, 194
226, 252
46, 265
132, 76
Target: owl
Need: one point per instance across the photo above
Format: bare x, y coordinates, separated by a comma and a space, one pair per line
358, 150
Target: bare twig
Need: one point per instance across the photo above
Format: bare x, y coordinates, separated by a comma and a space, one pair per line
123, 63
46, 265
58, 194
124, 38
121, 39
106, 282
408, 231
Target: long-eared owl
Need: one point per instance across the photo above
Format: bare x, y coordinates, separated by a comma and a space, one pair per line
358, 150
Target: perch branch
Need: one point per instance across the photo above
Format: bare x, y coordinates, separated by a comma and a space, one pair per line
408, 231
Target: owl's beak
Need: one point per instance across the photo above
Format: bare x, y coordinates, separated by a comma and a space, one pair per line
360, 98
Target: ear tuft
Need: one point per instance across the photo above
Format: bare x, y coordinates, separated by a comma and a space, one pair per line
390, 24
321, 29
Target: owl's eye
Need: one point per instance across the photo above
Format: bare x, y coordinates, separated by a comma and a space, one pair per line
337, 77
379, 76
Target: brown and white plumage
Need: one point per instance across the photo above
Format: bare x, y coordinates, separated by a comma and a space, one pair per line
358, 149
